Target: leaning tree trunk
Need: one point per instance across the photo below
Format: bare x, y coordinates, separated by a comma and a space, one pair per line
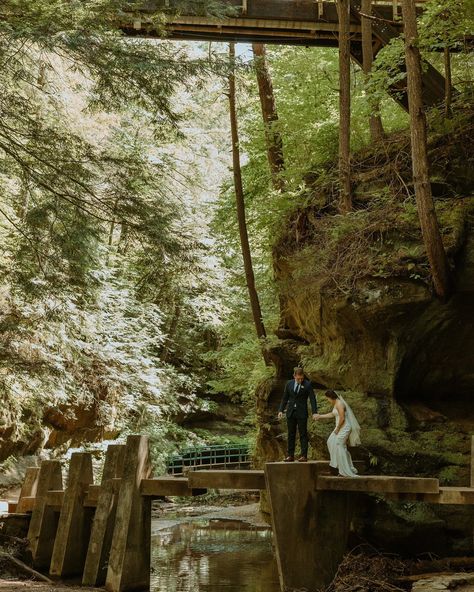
344, 105
270, 116
240, 204
375, 121
424, 199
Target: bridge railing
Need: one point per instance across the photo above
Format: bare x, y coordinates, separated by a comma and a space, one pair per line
202, 457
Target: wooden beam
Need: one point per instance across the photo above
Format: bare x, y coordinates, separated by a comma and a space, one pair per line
27, 505
92, 496
28, 490
72, 537
105, 498
55, 499
44, 521
446, 496
378, 484
164, 486
129, 560
248, 23
472, 461
227, 479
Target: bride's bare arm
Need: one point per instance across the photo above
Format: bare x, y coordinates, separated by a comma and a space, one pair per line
324, 415
342, 416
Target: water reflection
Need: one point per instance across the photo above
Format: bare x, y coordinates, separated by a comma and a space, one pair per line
213, 556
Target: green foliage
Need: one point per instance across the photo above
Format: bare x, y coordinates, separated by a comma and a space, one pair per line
105, 314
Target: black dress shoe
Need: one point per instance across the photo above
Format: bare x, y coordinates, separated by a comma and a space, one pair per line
290, 459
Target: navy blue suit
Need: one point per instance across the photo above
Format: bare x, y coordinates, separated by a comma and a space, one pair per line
295, 401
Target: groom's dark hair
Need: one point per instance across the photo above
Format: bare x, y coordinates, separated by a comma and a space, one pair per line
298, 371
331, 395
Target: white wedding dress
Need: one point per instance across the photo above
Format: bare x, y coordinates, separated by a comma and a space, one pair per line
340, 457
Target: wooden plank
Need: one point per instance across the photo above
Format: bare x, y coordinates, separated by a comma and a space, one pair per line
129, 560
72, 537
92, 496
455, 495
164, 486
227, 479
44, 521
27, 505
472, 461
240, 23
28, 490
95, 569
446, 496
55, 499
378, 484
308, 37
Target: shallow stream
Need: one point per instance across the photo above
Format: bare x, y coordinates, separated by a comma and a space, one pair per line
212, 555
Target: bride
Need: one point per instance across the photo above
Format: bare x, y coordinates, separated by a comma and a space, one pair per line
347, 429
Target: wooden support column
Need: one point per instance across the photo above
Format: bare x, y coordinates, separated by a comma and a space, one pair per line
129, 561
310, 527
28, 489
72, 537
100, 542
44, 521
472, 461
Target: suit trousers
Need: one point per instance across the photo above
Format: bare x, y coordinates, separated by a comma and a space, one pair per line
302, 424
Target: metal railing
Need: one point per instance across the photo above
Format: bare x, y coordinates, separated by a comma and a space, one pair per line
209, 457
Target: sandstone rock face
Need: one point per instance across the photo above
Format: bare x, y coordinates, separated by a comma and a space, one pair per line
403, 359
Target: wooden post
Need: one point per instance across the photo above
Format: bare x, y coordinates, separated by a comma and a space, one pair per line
129, 561
395, 9
75, 520
310, 527
104, 520
28, 489
472, 461
44, 521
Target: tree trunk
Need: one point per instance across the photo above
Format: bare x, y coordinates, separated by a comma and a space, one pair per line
270, 116
424, 199
375, 121
240, 205
344, 106
171, 333
448, 84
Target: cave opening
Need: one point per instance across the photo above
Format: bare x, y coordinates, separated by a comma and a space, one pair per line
437, 369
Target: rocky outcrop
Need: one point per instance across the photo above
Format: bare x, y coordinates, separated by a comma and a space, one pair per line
359, 314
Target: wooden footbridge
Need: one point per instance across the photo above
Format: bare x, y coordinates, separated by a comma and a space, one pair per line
290, 22
101, 533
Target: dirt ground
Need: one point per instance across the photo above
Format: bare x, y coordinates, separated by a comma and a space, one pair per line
28, 586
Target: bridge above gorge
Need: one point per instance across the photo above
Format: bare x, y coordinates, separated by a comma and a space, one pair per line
289, 22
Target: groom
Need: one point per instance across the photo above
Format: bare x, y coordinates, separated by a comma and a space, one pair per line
295, 399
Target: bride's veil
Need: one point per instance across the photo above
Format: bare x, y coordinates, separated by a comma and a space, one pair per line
354, 436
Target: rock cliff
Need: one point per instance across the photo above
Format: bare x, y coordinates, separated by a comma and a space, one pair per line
358, 312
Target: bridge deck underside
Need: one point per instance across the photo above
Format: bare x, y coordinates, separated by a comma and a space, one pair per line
305, 22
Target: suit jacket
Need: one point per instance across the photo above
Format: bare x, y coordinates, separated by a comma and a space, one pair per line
296, 404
